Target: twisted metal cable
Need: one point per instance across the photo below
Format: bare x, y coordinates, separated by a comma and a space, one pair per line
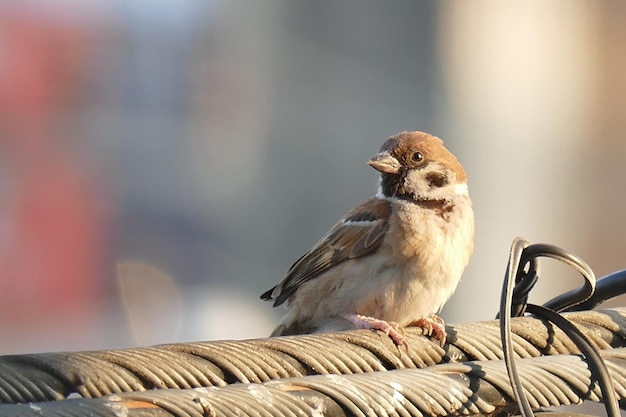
469, 388
54, 376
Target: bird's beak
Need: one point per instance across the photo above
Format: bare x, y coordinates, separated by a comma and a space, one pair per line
385, 163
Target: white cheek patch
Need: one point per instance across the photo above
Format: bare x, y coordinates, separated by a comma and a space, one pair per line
461, 189
415, 182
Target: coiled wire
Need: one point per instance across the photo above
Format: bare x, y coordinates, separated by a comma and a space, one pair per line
520, 277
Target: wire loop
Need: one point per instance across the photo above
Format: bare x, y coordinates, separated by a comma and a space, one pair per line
522, 273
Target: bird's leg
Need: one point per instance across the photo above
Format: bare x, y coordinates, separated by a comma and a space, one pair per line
434, 326
391, 328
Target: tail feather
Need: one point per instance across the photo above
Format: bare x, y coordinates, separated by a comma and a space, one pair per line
267, 295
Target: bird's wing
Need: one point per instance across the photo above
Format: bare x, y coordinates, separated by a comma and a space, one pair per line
359, 233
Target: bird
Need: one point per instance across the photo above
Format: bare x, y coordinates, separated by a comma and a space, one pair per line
394, 260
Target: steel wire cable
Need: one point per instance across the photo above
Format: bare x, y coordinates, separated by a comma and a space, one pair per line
54, 376
469, 388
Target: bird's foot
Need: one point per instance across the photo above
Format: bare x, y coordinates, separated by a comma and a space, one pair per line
433, 326
390, 328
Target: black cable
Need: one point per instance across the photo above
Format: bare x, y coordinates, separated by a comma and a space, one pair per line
520, 277
506, 301
576, 296
607, 287
593, 359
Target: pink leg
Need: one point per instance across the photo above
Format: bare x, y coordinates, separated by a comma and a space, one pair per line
391, 329
434, 326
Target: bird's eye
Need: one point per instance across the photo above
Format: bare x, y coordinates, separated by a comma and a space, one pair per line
417, 156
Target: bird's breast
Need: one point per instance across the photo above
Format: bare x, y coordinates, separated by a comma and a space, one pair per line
434, 249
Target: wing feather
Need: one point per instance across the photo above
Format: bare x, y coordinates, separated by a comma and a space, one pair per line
359, 234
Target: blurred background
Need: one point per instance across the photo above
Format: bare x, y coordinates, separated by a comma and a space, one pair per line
162, 163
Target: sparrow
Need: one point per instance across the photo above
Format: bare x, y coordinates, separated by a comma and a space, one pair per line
394, 260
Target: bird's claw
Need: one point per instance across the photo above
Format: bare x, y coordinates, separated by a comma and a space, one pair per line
433, 326
390, 328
